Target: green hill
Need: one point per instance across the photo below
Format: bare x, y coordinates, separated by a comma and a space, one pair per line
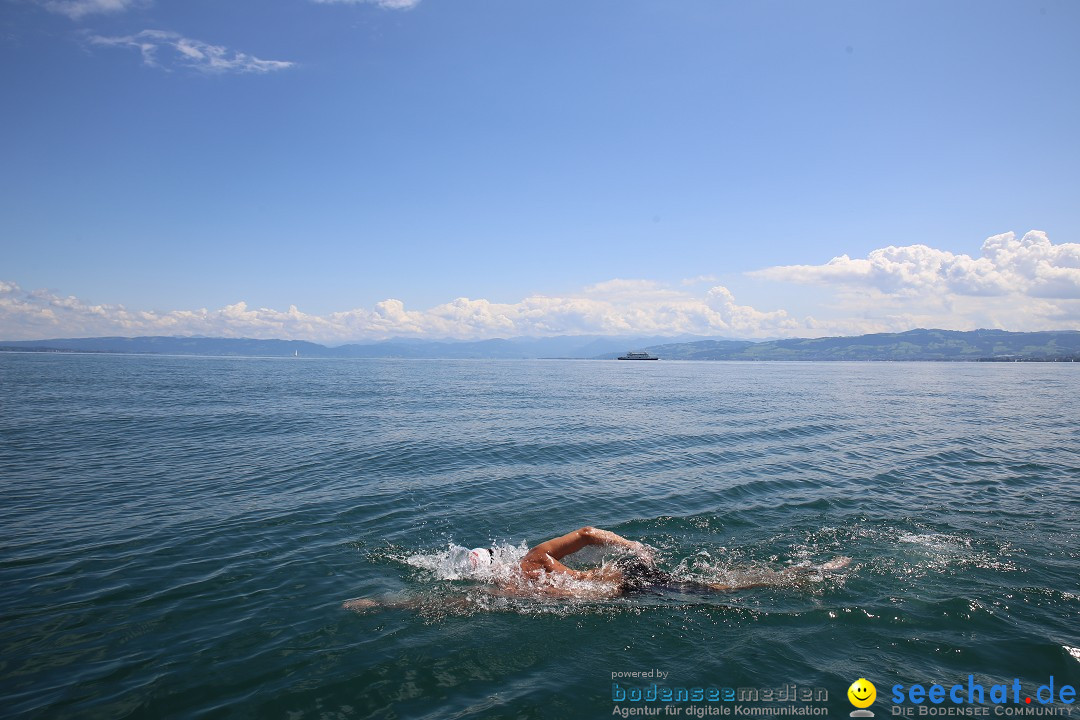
974, 345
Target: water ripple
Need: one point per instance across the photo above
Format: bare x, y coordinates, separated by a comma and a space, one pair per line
179, 532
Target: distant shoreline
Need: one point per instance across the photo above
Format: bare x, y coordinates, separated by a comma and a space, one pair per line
54, 351
912, 345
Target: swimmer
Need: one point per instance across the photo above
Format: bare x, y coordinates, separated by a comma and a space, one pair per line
543, 574
542, 564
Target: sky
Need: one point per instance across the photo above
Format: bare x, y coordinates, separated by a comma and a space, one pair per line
351, 170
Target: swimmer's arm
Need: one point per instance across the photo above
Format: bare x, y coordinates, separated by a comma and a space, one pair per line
560, 547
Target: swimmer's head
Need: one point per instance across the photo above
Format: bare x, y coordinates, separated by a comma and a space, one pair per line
638, 573
480, 558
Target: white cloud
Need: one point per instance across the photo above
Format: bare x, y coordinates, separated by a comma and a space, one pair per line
1035, 265
1018, 284
608, 308
1030, 266
77, 9
1025, 284
160, 48
388, 4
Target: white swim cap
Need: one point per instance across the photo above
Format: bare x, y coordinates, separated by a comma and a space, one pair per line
479, 558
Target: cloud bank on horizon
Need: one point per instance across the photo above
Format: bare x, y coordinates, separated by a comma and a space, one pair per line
1021, 284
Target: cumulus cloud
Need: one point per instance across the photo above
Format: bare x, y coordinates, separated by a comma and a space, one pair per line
1031, 266
388, 4
613, 308
164, 49
1036, 265
1015, 284
1019, 284
77, 9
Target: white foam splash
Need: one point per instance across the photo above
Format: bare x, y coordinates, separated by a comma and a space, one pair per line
453, 563
505, 572
936, 541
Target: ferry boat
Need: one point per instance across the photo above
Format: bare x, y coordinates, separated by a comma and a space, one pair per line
638, 356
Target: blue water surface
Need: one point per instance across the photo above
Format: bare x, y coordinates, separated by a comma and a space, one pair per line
179, 533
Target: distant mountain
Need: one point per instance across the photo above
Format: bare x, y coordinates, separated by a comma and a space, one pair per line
984, 345
160, 345
568, 346
564, 346
912, 345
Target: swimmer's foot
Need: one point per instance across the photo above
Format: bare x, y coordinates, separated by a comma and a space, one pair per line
837, 563
401, 603
360, 604
722, 587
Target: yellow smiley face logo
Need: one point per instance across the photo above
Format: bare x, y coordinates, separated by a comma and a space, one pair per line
862, 693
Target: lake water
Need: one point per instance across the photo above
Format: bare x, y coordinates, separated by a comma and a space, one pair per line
179, 533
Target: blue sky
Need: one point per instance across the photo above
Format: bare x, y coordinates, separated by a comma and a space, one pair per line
483, 168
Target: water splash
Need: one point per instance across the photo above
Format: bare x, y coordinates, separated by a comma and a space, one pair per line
453, 562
